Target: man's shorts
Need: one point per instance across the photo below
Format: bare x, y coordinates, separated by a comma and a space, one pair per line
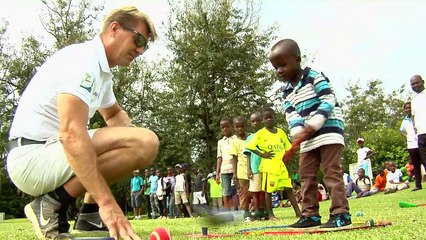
198, 199
37, 169
180, 197
226, 184
272, 183
135, 201
256, 183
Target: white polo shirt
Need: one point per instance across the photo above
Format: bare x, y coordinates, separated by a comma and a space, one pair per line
79, 69
418, 110
408, 128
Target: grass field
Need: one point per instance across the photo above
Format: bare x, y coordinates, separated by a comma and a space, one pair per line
408, 223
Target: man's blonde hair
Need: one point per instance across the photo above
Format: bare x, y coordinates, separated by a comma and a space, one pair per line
126, 15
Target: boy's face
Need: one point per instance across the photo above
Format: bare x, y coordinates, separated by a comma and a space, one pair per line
226, 128
269, 119
147, 172
381, 172
287, 66
158, 173
170, 170
407, 109
361, 173
360, 144
152, 171
391, 167
256, 121
178, 170
240, 127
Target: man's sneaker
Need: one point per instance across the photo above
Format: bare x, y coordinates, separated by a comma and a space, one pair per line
305, 222
337, 221
46, 216
89, 222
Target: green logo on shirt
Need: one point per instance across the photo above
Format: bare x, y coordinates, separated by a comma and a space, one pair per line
87, 82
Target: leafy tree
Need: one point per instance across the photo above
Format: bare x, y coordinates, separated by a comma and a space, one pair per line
69, 22
218, 69
371, 111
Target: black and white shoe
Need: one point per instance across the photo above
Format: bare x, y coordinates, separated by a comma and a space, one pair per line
89, 222
47, 218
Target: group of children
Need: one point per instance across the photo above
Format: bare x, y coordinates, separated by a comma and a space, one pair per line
254, 162
316, 129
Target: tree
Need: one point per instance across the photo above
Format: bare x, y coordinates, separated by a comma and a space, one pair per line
374, 115
218, 69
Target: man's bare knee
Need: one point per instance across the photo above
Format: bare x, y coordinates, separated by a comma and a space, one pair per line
148, 148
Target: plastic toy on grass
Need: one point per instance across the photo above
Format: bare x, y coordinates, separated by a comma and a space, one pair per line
410, 205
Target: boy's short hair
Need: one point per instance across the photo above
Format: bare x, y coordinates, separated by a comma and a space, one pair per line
267, 109
226, 119
128, 14
240, 119
290, 44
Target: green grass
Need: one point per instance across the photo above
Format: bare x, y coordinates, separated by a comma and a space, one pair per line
408, 223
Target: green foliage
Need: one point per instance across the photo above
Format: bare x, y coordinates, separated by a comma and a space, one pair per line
375, 116
218, 69
388, 144
69, 22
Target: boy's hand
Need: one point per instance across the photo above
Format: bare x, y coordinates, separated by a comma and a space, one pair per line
288, 155
304, 135
234, 177
270, 154
249, 173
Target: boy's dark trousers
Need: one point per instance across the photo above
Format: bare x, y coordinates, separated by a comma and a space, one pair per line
148, 207
416, 160
421, 141
328, 156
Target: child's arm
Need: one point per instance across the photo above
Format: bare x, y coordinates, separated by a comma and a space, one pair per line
249, 171
234, 167
268, 155
219, 163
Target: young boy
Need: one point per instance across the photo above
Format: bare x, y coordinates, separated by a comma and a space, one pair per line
181, 196
226, 169
136, 189
237, 151
270, 143
253, 172
316, 125
361, 185
394, 179
215, 191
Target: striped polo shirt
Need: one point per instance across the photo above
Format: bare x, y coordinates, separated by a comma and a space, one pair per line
312, 102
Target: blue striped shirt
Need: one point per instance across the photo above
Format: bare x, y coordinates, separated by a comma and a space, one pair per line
312, 102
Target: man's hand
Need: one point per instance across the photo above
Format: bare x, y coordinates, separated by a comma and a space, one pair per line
217, 179
234, 177
118, 225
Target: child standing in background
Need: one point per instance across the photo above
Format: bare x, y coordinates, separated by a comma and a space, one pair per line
237, 152
226, 169
254, 174
271, 143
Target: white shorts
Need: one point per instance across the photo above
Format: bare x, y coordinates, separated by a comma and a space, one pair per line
198, 199
37, 169
256, 183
